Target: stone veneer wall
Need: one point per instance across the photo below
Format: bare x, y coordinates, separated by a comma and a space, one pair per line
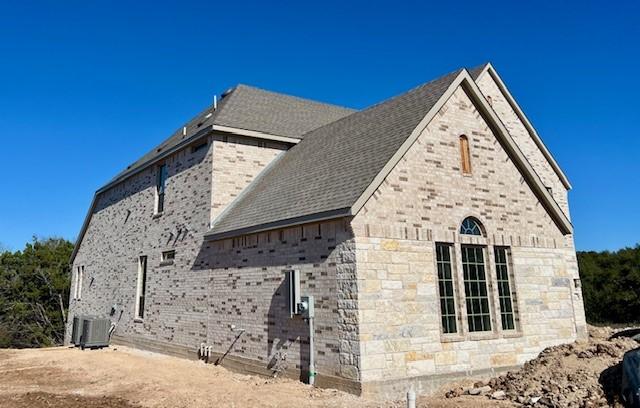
422, 201
524, 140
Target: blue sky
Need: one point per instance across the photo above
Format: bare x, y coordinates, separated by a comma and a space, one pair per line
87, 87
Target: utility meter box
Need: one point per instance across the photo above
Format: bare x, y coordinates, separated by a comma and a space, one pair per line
293, 277
306, 308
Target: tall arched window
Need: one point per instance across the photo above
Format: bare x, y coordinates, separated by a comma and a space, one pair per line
471, 226
465, 155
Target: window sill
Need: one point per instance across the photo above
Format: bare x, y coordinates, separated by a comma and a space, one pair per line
452, 338
510, 334
138, 320
157, 215
166, 263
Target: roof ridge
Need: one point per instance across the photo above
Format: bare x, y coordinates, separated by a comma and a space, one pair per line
299, 98
388, 100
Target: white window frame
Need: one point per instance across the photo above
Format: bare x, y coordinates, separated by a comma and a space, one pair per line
77, 294
140, 286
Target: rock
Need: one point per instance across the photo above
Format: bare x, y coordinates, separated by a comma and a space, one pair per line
474, 391
484, 390
499, 395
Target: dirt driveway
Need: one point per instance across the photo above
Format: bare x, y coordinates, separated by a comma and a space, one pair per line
122, 377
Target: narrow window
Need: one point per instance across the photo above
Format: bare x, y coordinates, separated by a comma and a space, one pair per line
168, 257
475, 288
161, 184
77, 294
141, 286
465, 156
504, 288
445, 285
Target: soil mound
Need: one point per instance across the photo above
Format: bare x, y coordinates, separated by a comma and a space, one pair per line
580, 374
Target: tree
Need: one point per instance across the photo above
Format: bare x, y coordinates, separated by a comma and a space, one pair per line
611, 285
34, 289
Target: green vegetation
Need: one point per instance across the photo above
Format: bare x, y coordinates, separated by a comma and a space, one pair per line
34, 293
611, 285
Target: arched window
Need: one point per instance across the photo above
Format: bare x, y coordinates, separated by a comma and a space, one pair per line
471, 226
465, 156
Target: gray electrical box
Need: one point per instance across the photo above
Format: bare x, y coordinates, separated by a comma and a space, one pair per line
293, 277
306, 307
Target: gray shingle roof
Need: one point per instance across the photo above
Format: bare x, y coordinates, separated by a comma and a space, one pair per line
250, 108
333, 165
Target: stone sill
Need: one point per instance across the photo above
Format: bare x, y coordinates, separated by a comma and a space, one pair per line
166, 263
157, 215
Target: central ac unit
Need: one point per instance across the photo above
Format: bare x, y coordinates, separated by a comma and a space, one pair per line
95, 332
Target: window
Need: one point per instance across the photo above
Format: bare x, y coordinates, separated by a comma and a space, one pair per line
504, 289
465, 156
78, 287
199, 147
141, 287
475, 288
161, 184
168, 257
445, 285
471, 226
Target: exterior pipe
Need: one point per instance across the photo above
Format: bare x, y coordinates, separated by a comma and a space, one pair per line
312, 365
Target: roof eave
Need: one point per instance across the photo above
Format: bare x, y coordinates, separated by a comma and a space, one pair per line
489, 69
290, 222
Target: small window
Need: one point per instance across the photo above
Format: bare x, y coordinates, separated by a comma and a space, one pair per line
471, 226
465, 155
168, 256
161, 185
550, 190
490, 100
475, 289
504, 280
446, 290
141, 287
199, 147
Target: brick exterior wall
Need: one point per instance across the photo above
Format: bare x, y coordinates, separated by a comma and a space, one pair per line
235, 165
123, 227
422, 201
524, 140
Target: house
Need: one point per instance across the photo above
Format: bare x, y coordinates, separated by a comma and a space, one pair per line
432, 229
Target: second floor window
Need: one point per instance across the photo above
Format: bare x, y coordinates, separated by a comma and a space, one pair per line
161, 185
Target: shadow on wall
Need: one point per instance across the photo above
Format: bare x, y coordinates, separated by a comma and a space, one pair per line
243, 278
147, 179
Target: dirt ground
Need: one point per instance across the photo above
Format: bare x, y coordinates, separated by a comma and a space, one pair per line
121, 377
581, 374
